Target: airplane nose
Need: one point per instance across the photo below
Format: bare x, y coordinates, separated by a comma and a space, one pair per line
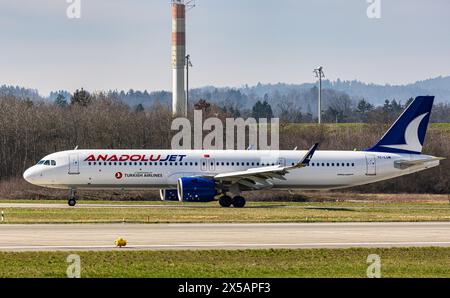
30, 175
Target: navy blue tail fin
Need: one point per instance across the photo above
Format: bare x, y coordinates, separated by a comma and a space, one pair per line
407, 134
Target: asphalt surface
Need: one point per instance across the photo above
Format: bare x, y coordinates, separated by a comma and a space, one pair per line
201, 206
222, 236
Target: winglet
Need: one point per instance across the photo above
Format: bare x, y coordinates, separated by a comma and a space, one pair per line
307, 158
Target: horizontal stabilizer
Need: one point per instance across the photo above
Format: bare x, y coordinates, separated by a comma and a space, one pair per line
405, 164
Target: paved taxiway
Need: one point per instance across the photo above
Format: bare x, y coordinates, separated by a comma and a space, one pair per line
200, 206
222, 236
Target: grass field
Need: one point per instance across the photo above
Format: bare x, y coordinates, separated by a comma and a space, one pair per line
254, 212
395, 262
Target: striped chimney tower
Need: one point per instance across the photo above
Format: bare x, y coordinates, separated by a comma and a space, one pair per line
178, 57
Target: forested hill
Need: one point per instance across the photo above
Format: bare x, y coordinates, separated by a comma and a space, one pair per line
373, 93
303, 95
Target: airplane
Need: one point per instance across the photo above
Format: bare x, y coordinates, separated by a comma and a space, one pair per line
203, 175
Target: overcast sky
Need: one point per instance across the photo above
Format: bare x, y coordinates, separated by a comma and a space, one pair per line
122, 44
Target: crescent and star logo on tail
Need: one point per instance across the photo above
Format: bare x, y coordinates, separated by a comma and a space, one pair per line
412, 142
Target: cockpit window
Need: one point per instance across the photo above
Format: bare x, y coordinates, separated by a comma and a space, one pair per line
47, 162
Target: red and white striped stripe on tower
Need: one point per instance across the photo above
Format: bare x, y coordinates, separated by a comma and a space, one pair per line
178, 57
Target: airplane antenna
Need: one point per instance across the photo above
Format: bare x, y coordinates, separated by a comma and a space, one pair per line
76, 147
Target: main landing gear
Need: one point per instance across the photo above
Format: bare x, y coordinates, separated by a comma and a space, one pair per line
237, 202
72, 198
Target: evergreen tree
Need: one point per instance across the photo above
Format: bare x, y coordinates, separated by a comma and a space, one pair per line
139, 108
363, 108
61, 101
81, 97
262, 110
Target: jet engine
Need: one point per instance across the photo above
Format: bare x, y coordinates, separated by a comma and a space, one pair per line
196, 189
169, 194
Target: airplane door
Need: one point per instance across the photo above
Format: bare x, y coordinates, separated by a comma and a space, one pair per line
212, 165
204, 164
371, 165
282, 161
74, 164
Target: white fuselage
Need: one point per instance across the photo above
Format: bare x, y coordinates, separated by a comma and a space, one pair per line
160, 169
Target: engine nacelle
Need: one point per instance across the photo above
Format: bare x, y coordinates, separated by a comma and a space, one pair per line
192, 189
169, 194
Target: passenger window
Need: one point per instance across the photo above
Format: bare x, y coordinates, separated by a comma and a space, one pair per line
353, 164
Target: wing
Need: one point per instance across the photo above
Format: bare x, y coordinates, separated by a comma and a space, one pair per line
259, 178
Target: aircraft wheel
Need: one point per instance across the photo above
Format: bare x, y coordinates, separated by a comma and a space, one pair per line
72, 202
225, 201
238, 202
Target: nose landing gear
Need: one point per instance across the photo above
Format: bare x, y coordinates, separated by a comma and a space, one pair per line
72, 198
